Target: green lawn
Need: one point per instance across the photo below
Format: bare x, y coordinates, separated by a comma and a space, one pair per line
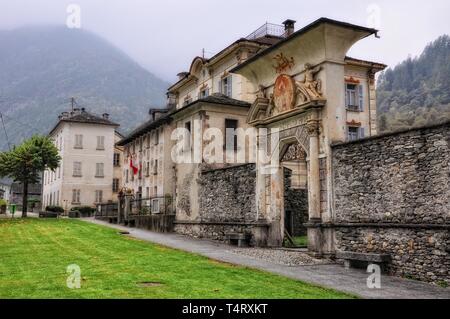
34, 255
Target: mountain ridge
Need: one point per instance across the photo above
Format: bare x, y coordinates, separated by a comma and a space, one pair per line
42, 67
416, 92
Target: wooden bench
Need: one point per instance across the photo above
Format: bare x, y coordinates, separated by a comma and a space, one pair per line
48, 215
357, 260
239, 239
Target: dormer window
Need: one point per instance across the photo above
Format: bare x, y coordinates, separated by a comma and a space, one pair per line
204, 92
226, 86
187, 100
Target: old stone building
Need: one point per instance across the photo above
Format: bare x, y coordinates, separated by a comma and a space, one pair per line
147, 166
323, 170
85, 176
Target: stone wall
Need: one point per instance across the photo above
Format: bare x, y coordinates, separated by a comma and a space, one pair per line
227, 205
228, 195
391, 195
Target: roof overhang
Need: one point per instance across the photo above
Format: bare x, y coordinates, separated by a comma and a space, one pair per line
322, 40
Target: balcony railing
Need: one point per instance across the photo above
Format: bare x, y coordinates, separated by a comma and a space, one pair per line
267, 29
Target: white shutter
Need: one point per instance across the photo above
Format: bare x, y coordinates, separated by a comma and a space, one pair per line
361, 98
362, 132
347, 98
230, 86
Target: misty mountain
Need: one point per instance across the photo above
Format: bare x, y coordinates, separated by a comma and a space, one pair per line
41, 68
417, 91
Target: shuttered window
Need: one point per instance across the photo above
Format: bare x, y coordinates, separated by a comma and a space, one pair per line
100, 143
76, 196
78, 141
77, 172
99, 167
354, 97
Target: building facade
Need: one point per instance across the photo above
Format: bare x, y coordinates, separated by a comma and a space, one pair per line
86, 144
147, 166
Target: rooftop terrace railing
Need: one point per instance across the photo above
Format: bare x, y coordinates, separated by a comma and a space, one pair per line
267, 29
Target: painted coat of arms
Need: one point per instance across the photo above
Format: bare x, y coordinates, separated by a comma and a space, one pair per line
284, 93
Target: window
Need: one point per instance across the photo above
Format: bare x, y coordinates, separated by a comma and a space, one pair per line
187, 100
115, 187
99, 170
157, 137
98, 197
203, 93
116, 160
155, 168
76, 196
79, 141
147, 192
355, 133
226, 86
155, 206
354, 97
77, 169
230, 134
100, 143
126, 176
187, 126
147, 169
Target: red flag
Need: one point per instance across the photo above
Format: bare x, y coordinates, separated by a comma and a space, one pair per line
135, 169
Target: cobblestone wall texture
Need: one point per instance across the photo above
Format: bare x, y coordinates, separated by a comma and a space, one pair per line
401, 184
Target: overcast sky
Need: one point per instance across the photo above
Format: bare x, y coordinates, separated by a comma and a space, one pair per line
164, 35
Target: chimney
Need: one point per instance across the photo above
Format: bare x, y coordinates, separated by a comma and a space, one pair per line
289, 27
182, 75
105, 116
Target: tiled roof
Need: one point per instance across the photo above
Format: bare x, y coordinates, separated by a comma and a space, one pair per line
85, 117
144, 128
216, 98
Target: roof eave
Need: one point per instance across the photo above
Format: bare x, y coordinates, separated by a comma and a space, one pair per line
370, 31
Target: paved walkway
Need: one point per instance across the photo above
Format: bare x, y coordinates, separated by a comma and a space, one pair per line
333, 276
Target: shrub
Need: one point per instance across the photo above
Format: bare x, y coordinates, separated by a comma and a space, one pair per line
3, 202
84, 210
54, 209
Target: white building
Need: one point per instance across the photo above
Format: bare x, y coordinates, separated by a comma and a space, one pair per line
5, 189
85, 175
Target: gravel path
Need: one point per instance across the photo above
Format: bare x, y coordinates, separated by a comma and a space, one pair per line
281, 257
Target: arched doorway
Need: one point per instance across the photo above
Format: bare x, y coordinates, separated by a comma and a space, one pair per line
293, 161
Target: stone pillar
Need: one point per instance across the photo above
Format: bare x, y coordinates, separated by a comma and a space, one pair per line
120, 207
127, 212
372, 103
276, 231
315, 218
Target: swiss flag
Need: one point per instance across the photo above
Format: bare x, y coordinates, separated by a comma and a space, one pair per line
134, 168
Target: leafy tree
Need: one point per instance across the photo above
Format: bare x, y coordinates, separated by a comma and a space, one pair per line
417, 91
26, 162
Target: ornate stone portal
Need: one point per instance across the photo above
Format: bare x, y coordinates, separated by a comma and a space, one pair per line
294, 108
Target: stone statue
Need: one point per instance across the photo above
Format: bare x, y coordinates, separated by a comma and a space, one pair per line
310, 89
261, 92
